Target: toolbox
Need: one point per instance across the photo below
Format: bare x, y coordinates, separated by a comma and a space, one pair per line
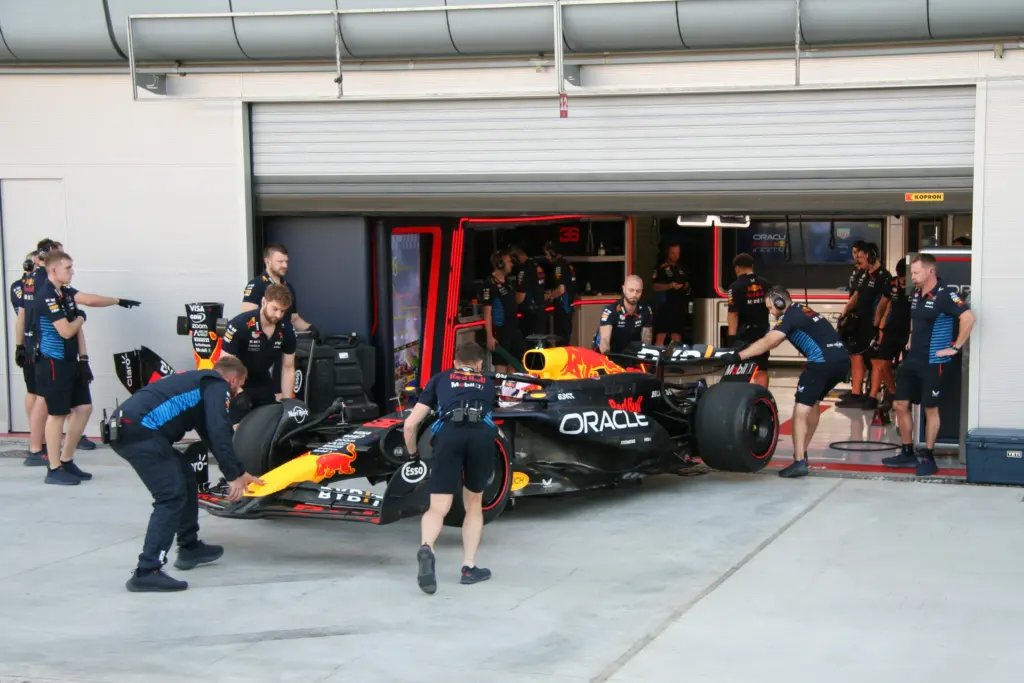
995, 456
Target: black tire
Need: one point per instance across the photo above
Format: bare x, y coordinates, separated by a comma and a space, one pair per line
737, 427
498, 489
254, 436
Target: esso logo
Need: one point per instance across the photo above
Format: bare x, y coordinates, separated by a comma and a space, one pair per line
298, 382
413, 472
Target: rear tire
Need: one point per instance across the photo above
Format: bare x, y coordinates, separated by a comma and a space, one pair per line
737, 427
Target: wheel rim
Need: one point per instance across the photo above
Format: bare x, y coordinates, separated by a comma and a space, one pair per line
763, 426
495, 489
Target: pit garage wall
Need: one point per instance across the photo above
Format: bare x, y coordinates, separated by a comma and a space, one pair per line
997, 280
155, 209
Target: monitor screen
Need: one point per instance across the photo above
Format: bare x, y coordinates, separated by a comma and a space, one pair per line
407, 307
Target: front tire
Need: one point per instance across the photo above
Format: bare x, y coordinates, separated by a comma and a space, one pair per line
737, 427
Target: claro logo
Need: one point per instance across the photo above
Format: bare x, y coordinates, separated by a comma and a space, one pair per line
592, 421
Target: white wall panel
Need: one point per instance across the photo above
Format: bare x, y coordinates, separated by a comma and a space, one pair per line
155, 203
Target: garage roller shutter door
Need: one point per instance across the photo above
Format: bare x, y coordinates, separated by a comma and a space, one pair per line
842, 150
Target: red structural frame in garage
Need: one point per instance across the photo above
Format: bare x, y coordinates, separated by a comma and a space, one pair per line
452, 326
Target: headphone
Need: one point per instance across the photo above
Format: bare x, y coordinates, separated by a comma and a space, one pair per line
28, 265
872, 252
498, 260
778, 302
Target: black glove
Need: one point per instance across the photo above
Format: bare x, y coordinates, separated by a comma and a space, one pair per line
731, 358
20, 355
84, 371
314, 333
71, 315
79, 313
128, 303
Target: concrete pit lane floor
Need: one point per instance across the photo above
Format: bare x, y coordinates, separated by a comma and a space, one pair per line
718, 578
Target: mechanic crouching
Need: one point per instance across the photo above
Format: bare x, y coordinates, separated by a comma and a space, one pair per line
828, 363
142, 430
463, 457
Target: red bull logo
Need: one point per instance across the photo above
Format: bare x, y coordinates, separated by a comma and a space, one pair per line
630, 404
332, 464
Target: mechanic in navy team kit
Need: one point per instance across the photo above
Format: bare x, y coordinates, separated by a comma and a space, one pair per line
21, 357
275, 267
498, 297
463, 399
673, 316
828, 363
142, 432
936, 313
563, 293
747, 313
864, 312
626, 321
262, 338
530, 283
893, 332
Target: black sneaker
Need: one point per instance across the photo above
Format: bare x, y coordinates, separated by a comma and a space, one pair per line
926, 466
425, 578
71, 467
85, 445
200, 553
903, 459
61, 477
797, 469
153, 581
851, 401
36, 459
474, 574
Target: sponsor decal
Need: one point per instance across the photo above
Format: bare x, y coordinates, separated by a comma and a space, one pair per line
593, 421
935, 394
298, 382
656, 393
197, 317
632, 404
201, 462
298, 413
413, 472
348, 496
520, 480
332, 464
1015, 454
627, 442
547, 483
383, 422
567, 396
129, 378
924, 196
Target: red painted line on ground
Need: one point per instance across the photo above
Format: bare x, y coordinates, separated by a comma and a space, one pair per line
855, 467
786, 428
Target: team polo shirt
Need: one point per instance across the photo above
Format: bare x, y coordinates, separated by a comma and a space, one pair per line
812, 335
746, 300
934, 322
52, 304
501, 297
257, 287
245, 340
626, 327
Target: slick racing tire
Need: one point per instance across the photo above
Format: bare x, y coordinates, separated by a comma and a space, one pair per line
254, 436
737, 427
498, 489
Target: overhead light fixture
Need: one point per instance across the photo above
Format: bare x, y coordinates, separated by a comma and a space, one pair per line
712, 221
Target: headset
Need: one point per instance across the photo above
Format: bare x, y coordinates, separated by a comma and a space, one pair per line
28, 265
778, 301
498, 260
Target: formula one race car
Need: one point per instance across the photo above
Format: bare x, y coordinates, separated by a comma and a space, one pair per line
579, 420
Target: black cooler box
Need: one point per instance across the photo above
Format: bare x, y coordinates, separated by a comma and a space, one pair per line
995, 456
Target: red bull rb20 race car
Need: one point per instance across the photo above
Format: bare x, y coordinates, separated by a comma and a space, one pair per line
578, 420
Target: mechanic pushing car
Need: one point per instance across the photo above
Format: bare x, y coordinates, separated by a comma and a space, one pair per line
748, 315
935, 311
625, 321
275, 267
499, 300
463, 399
673, 315
261, 339
828, 364
142, 430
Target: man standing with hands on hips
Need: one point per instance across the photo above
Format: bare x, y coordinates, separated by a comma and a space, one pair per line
463, 399
936, 311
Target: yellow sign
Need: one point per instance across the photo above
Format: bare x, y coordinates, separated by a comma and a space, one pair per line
924, 197
519, 480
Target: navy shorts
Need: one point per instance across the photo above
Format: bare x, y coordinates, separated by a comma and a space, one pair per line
463, 456
818, 379
61, 384
923, 383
